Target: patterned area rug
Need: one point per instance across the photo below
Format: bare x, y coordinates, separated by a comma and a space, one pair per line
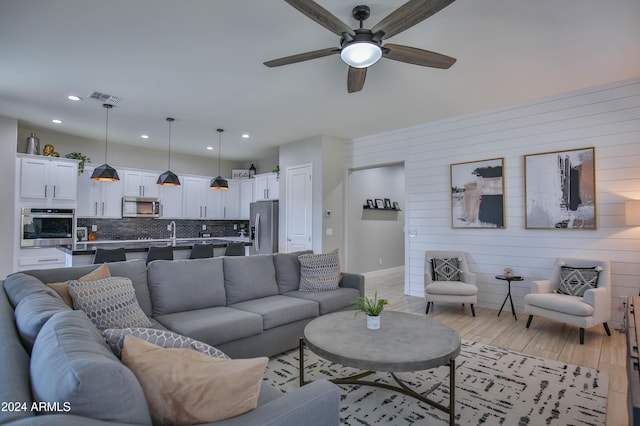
493, 387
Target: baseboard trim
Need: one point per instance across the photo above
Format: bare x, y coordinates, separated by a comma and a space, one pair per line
384, 271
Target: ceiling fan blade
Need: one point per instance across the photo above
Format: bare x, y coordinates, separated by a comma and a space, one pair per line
409, 14
355, 79
322, 16
302, 57
413, 55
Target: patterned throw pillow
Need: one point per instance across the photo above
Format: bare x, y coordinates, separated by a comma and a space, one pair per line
446, 269
109, 302
575, 281
63, 289
319, 272
166, 339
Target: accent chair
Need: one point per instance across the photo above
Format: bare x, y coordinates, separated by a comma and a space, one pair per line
447, 279
577, 293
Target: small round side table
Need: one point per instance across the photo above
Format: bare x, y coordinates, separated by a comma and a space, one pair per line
508, 279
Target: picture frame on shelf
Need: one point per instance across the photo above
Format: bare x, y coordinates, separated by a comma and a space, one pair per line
387, 203
82, 233
477, 194
240, 174
396, 206
560, 190
370, 204
379, 203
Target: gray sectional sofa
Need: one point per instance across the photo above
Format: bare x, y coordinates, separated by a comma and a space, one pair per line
245, 306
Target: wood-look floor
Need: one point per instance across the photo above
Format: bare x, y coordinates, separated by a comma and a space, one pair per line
545, 338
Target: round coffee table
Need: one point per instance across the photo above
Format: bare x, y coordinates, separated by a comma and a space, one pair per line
404, 342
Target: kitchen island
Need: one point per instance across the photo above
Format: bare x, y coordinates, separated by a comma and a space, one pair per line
81, 253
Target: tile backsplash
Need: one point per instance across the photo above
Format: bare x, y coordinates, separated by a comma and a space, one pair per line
138, 228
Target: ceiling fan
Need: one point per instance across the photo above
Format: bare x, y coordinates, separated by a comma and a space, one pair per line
362, 47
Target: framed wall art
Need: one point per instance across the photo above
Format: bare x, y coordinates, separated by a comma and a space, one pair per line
477, 194
560, 190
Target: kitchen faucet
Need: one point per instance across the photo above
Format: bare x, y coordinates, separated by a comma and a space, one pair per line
172, 235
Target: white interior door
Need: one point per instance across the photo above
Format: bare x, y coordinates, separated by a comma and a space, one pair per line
298, 207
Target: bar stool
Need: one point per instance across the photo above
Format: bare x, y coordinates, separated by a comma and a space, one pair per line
109, 255
160, 253
201, 251
234, 249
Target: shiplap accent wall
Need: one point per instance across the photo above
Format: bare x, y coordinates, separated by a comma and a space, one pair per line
605, 117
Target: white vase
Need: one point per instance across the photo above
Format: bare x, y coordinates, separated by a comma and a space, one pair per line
373, 322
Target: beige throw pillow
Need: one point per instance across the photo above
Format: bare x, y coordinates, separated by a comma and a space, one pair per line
320, 272
183, 386
62, 288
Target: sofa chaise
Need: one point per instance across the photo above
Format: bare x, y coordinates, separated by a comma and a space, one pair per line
244, 306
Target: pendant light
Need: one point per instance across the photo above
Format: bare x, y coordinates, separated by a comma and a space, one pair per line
105, 173
169, 178
219, 182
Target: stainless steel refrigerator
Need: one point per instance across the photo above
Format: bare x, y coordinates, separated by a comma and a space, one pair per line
263, 226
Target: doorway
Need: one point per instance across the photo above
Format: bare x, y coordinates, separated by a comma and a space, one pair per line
299, 209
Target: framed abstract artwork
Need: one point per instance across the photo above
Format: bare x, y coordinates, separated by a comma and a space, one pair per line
560, 190
477, 194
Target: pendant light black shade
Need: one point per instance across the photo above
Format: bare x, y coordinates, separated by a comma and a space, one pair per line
169, 178
105, 173
219, 183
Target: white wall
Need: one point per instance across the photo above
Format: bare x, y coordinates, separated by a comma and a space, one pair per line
605, 117
375, 238
8, 134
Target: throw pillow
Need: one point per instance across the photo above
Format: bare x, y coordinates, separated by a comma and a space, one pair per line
62, 288
109, 302
575, 281
183, 386
319, 272
165, 339
447, 269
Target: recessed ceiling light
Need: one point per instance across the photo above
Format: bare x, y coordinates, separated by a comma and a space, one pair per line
245, 136
57, 121
210, 148
144, 136
74, 98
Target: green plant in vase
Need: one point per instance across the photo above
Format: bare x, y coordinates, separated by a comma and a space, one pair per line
372, 307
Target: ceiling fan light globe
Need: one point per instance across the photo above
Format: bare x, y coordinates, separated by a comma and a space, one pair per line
361, 54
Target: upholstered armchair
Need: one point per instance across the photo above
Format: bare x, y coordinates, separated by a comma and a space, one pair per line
447, 279
577, 293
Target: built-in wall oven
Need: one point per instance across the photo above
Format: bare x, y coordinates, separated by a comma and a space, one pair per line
44, 227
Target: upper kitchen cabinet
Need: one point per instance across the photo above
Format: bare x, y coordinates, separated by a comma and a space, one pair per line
231, 200
171, 201
47, 179
246, 197
140, 184
98, 199
199, 201
267, 187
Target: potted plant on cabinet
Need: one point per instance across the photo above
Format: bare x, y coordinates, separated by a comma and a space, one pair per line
372, 307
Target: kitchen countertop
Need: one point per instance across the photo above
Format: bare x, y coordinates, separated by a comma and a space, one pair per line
89, 247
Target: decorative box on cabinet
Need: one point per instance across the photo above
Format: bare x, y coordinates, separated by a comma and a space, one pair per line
48, 179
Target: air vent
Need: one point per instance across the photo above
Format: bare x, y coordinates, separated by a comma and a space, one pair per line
104, 98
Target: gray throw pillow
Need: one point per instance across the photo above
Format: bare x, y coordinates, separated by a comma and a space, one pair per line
320, 272
447, 269
166, 339
109, 302
575, 281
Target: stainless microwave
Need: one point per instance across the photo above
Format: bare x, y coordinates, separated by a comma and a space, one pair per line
45, 227
140, 207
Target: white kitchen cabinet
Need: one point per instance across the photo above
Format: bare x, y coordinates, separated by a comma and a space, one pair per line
41, 258
267, 187
231, 201
246, 197
98, 199
138, 183
171, 201
47, 178
199, 201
